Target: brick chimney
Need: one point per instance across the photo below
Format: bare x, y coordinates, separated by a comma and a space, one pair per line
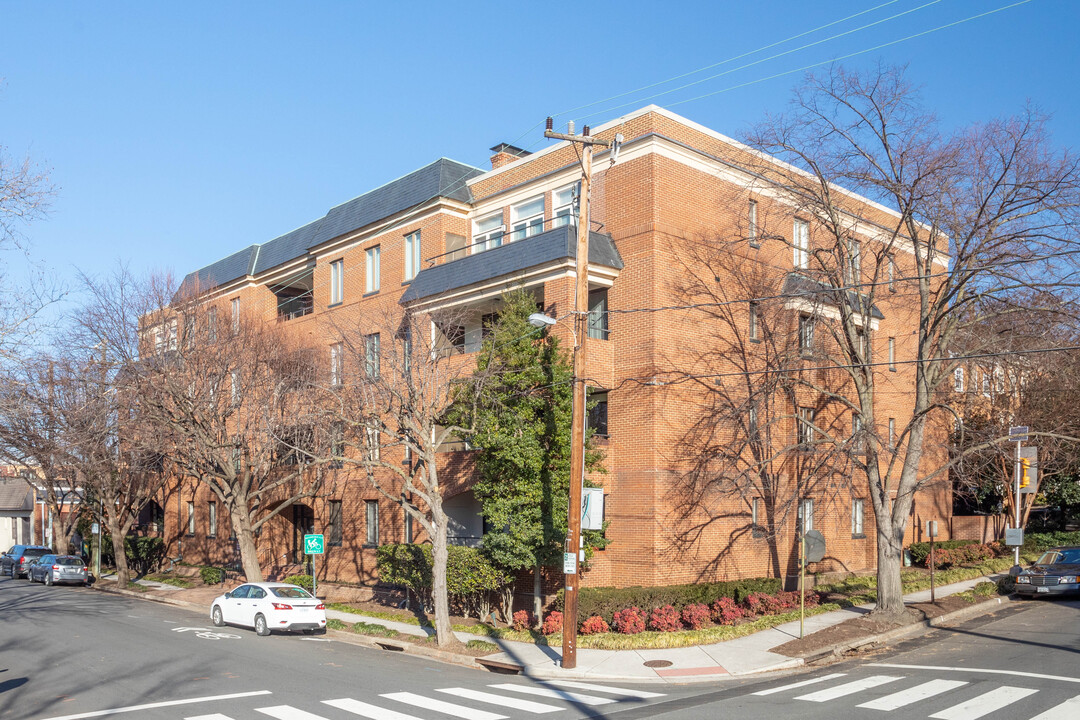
506, 154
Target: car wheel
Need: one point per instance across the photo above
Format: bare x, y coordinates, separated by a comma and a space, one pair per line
219, 621
261, 628
48, 579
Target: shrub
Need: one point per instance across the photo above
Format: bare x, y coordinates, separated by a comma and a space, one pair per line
920, 551
629, 621
695, 615
553, 623
471, 579
523, 620
1044, 541
972, 553
665, 619
211, 575
593, 626
144, 553
604, 601
726, 611
985, 589
483, 645
304, 581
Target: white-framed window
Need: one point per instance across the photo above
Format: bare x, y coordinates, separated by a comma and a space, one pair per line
191, 517
408, 526
854, 250
159, 340
806, 333
371, 355
804, 426
892, 433
857, 508
371, 517
412, 255
751, 224
488, 232
337, 364
598, 314
564, 201
856, 432
806, 515
527, 218
862, 345
211, 519
892, 273
337, 281
892, 354
751, 422
958, 379
755, 517
235, 315
455, 247
171, 343
211, 324
752, 328
986, 383
374, 444
234, 387
801, 244
372, 269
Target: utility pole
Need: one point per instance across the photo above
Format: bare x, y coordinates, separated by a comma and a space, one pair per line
571, 555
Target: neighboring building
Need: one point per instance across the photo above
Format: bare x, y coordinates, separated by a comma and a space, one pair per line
453, 236
16, 508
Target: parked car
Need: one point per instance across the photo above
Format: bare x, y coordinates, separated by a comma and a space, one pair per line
16, 560
1057, 572
58, 569
270, 606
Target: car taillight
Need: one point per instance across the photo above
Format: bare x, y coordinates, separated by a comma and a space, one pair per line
55, 567
320, 606
281, 606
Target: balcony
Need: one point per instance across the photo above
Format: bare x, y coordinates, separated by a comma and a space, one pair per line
294, 298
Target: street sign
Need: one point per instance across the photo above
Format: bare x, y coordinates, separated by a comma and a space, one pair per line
931, 528
1014, 537
569, 563
815, 546
1018, 433
95, 528
313, 545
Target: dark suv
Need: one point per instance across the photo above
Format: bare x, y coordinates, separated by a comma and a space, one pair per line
17, 558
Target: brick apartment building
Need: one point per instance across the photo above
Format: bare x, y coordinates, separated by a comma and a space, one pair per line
453, 236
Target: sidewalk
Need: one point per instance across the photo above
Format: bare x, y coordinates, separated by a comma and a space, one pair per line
741, 656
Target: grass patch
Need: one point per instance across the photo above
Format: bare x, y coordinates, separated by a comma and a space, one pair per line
335, 624
179, 582
483, 645
407, 619
132, 585
366, 628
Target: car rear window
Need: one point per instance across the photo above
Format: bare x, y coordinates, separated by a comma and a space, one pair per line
69, 561
290, 592
34, 552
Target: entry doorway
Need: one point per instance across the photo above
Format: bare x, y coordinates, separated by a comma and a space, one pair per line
303, 524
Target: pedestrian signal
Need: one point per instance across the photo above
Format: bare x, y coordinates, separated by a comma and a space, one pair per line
1025, 467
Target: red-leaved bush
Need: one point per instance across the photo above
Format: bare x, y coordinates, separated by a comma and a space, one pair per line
695, 615
553, 623
726, 611
594, 625
523, 620
665, 619
629, 621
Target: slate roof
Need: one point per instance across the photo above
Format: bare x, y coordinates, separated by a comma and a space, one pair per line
800, 286
552, 245
442, 178
15, 495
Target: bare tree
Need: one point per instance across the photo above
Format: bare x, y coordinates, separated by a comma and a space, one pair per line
972, 215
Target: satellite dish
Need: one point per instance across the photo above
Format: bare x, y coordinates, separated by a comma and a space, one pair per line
815, 546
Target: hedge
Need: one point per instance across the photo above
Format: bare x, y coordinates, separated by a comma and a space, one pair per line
606, 601
921, 550
471, 579
1047, 540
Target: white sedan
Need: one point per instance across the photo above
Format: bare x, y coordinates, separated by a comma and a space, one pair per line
270, 606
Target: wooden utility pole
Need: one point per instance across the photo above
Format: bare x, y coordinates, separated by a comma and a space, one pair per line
572, 550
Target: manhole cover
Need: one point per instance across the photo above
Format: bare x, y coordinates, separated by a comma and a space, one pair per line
658, 663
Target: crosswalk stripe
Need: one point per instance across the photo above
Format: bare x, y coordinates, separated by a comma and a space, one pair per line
983, 704
1068, 710
618, 692
510, 702
466, 713
287, 712
913, 695
215, 716
848, 688
801, 683
363, 709
553, 693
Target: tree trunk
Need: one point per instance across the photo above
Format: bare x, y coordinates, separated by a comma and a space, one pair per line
890, 593
116, 534
245, 538
440, 555
538, 598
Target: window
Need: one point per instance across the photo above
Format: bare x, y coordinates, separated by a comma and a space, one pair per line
986, 383
412, 255
211, 518
806, 516
806, 334
191, 517
597, 419
751, 225
189, 331
408, 525
755, 518
801, 244
211, 324
455, 247
527, 218
565, 201
234, 387
856, 432
892, 354
337, 443
337, 280
374, 442
159, 340
751, 423
892, 273
488, 232
235, 315
238, 458
805, 426
752, 330
371, 515
892, 433
334, 524
598, 315
337, 364
857, 506
371, 355
172, 335
372, 270
854, 249
862, 345
406, 351
958, 379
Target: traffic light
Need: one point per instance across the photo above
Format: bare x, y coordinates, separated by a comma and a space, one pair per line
1025, 478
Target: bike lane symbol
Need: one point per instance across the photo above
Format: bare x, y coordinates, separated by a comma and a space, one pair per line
207, 634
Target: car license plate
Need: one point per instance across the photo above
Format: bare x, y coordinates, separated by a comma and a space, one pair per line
1042, 589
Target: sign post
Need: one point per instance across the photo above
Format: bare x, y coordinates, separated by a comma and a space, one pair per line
1018, 434
313, 545
811, 549
931, 530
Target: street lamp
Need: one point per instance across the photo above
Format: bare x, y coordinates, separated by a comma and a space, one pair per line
577, 479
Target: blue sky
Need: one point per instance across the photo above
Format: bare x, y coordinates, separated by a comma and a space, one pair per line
178, 133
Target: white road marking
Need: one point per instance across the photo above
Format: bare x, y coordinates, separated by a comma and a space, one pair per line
984, 704
553, 693
1068, 710
167, 703
801, 683
466, 713
287, 712
913, 695
374, 712
215, 716
990, 671
849, 688
503, 700
620, 692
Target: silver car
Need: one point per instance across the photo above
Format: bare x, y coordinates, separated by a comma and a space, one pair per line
58, 569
